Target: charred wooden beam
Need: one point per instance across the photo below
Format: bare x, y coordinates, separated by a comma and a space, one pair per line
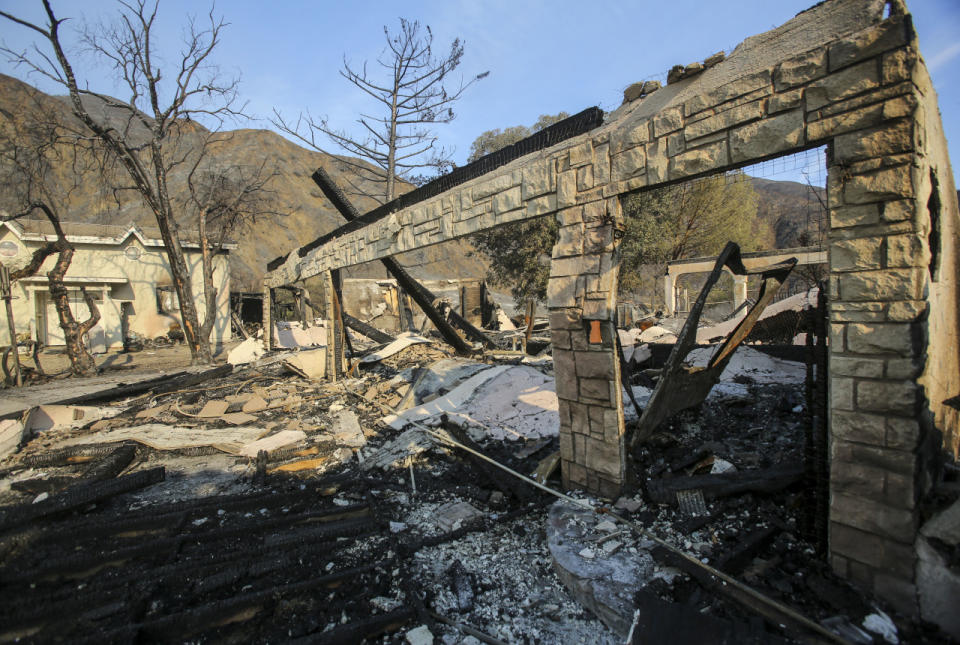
420, 294
681, 387
369, 331
77, 496
770, 480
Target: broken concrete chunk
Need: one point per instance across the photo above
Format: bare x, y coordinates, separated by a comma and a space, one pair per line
607, 526
213, 408
238, 418
311, 364
254, 404
11, 434
454, 515
56, 417
277, 441
347, 431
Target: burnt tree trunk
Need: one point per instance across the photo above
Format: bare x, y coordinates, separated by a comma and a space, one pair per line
209, 291
81, 362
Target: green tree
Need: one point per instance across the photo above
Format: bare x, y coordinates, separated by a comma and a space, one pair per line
692, 219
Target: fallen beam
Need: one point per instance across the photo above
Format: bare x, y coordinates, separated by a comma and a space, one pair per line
681, 387
369, 331
159, 385
422, 296
770, 480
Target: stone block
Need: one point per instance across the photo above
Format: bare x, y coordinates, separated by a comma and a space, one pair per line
872, 550
508, 200
628, 163
902, 434
541, 205
723, 120
566, 188
899, 107
585, 178
667, 121
581, 154
873, 517
898, 211
601, 166
566, 445
599, 308
855, 366
630, 138
538, 178
579, 421
800, 70
675, 144
840, 85
595, 365
885, 338
897, 397
858, 427
728, 91
900, 490
857, 312
837, 334
892, 284
598, 239
846, 216
767, 136
494, 185
612, 425
881, 185
907, 251
560, 339
569, 241
605, 458
699, 160
841, 393
897, 66
574, 266
847, 122
564, 291
576, 475
657, 162
887, 35
595, 389
855, 254
906, 310
565, 319
902, 368
784, 101
881, 141
898, 461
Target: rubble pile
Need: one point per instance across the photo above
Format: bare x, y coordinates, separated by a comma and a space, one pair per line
266, 505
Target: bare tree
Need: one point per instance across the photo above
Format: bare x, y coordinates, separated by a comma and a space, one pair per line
412, 93
31, 146
148, 135
224, 200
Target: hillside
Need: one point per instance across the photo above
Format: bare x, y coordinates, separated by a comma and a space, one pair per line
307, 213
792, 209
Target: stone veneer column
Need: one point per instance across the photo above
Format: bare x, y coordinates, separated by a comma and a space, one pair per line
267, 322
582, 299
878, 284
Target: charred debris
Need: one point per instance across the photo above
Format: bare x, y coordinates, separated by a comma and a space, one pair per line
415, 498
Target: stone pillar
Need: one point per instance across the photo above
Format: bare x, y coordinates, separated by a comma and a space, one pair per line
669, 294
739, 292
877, 286
267, 317
581, 297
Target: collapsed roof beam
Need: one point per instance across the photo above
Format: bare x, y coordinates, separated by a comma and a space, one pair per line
420, 294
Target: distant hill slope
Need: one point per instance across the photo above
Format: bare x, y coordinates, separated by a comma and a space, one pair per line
293, 191
793, 210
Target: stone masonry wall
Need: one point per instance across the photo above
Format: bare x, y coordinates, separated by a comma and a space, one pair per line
839, 75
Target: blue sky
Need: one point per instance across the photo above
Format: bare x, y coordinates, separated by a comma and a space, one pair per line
543, 56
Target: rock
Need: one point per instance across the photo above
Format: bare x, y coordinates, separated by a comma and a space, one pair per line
714, 60
628, 504
454, 515
419, 636
675, 74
